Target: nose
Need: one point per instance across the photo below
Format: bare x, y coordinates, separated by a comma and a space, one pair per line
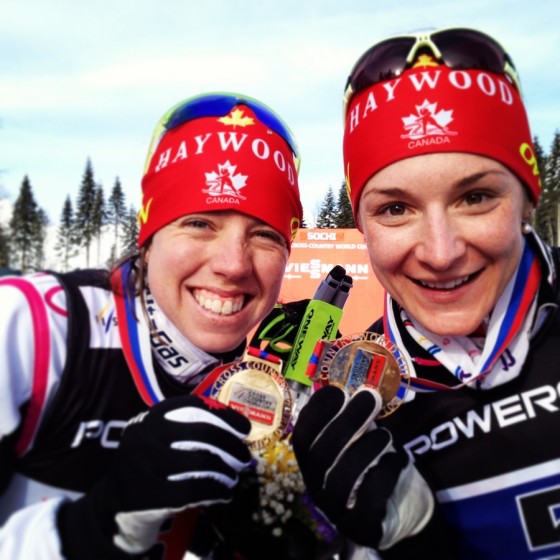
233, 258
440, 242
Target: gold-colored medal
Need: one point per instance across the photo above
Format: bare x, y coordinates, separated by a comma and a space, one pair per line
255, 388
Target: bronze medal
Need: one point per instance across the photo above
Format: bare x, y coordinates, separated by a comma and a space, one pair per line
366, 359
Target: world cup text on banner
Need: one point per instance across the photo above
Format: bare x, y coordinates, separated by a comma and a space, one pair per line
314, 253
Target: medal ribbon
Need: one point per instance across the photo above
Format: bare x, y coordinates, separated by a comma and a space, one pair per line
136, 345
135, 339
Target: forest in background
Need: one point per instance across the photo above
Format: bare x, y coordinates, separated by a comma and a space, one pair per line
100, 228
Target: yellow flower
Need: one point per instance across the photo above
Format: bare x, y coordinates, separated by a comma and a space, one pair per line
280, 483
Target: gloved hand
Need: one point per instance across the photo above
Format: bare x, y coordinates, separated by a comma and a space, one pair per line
369, 490
183, 452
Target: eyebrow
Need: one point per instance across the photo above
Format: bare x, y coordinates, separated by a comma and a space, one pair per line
462, 183
467, 181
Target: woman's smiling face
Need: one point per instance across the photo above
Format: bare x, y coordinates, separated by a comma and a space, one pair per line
216, 275
443, 233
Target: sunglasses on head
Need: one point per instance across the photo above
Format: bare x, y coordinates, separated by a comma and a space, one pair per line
220, 105
460, 49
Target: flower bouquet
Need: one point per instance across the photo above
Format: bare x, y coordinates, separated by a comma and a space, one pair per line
271, 515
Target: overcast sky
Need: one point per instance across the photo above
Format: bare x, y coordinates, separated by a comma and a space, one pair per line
90, 79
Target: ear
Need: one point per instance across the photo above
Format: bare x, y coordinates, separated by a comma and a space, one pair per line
528, 208
145, 254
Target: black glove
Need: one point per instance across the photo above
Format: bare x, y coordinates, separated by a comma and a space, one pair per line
279, 328
369, 491
183, 452
277, 332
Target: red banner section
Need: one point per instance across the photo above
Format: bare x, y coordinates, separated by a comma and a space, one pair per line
314, 253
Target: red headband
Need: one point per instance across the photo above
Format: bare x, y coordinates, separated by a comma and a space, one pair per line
437, 110
221, 163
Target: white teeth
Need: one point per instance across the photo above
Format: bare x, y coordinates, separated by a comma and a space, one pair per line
213, 303
445, 285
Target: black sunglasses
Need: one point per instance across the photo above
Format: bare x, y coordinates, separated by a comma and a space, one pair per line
456, 48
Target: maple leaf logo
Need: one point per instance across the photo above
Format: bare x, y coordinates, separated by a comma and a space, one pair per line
236, 118
225, 182
427, 121
424, 60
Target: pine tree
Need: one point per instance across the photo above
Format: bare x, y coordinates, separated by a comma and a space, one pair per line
130, 230
4, 248
540, 219
84, 221
27, 228
546, 216
116, 210
39, 235
552, 180
99, 217
65, 247
327, 212
344, 218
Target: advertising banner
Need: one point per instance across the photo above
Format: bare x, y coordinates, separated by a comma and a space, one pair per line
314, 253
